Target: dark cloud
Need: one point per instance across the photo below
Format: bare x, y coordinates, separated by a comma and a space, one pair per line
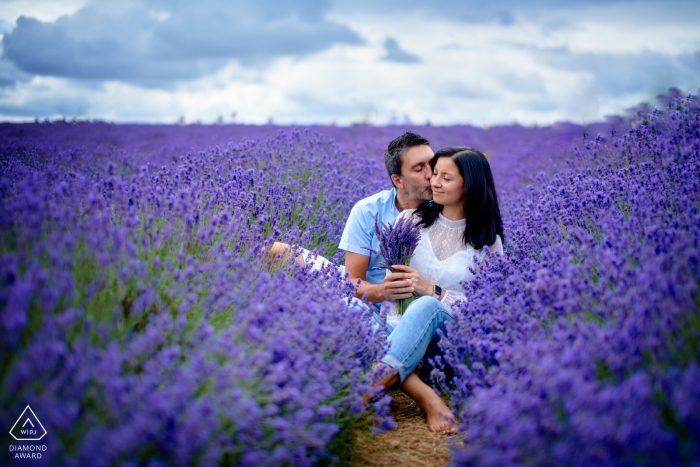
505, 18
157, 41
394, 53
10, 75
502, 17
622, 73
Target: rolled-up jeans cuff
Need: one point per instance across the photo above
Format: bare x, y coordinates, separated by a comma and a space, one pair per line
396, 365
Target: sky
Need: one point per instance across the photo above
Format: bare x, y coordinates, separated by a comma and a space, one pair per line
343, 62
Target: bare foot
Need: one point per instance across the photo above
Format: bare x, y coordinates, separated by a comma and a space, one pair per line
282, 252
386, 382
440, 418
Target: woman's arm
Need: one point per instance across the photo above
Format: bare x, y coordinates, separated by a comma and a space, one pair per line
422, 287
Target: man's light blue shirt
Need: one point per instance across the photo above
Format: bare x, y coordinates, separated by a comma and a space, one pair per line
358, 234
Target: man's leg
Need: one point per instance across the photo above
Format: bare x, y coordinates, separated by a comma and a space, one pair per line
282, 252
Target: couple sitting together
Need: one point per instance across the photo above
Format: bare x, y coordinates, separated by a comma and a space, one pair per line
451, 196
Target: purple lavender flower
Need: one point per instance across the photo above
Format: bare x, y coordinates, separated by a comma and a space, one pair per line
396, 244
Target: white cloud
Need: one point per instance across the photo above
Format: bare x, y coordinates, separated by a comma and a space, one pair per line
534, 66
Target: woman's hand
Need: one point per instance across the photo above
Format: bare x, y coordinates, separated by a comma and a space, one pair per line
410, 278
397, 286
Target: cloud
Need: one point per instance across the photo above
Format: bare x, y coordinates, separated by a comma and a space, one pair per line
628, 73
154, 42
394, 53
463, 91
523, 83
50, 101
10, 75
480, 15
478, 8
157, 60
5, 26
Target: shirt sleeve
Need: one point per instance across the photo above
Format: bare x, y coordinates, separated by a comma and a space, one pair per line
358, 232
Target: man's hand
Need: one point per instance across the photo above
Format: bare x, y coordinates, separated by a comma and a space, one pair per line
405, 282
356, 267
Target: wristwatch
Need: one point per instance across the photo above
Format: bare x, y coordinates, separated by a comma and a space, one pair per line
438, 291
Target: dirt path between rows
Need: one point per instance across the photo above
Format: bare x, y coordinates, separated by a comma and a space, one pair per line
409, 444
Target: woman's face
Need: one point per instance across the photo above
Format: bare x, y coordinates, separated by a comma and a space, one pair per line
447, 183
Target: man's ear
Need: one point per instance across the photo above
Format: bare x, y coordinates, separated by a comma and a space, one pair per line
397, 180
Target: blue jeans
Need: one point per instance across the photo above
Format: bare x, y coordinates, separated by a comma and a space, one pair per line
415, 334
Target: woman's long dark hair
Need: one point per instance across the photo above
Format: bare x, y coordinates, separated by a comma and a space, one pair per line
479, 199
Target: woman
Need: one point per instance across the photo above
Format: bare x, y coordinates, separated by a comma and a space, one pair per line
462, 218
456, 225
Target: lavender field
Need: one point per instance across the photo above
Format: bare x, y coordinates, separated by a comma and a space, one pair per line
144, 325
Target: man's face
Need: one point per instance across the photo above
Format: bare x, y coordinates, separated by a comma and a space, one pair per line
416, 173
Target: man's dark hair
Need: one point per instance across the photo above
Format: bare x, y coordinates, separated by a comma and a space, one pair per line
393, 156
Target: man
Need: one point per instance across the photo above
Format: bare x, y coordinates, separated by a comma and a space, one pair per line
406, 159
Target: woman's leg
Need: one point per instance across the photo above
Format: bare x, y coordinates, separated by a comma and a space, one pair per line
411, 337
409, 341
439, 417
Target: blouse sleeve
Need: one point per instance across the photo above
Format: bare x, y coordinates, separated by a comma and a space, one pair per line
452, 296
497, 246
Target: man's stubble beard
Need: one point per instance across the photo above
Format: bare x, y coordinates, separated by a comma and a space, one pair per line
424, 195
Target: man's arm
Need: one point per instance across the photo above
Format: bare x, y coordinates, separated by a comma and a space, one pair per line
356, 267
395, 285
356, 236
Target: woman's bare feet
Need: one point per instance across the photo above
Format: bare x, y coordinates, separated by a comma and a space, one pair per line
439, 417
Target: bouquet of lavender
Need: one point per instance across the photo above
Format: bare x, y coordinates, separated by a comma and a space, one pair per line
396, 244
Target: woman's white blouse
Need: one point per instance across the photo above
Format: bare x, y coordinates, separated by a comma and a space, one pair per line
442, 259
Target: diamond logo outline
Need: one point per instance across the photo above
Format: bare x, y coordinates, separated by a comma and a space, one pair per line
35, 418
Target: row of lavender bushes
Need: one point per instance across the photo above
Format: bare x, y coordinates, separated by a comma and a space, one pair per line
143, 324
582, 346
139, 318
